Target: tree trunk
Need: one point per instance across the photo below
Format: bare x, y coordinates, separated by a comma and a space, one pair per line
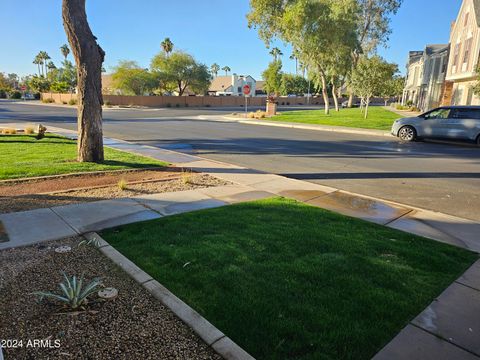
335, 99
350, 99
326, 99
89, 57
367, 102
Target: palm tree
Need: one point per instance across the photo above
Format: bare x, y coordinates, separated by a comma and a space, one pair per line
38, 61
51, 66
167, 45
215, 68
276, 52
65, 50
44, 56
226, 69
294, 56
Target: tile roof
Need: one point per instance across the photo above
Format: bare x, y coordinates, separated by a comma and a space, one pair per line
220, 83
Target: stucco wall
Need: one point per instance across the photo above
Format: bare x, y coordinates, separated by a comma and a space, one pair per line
184, 101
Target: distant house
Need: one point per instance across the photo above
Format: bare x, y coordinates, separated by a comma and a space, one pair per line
260, 88
232, 85
414, 76
426, 71
464, 56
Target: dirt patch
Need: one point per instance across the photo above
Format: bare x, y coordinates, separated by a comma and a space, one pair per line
133, 326
59, 183
171, 182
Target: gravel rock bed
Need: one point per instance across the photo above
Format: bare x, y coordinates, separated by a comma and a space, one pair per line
132, 326
35, 201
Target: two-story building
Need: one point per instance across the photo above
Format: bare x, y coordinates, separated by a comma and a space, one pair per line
232, 85
414, 77
464, 56
426, 71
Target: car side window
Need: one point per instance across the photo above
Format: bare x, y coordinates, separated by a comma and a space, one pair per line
438, 114
466, 114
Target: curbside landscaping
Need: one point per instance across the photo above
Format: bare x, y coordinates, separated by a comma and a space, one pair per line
213, 337
338, 129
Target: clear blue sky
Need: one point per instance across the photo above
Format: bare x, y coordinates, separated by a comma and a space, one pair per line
212, 30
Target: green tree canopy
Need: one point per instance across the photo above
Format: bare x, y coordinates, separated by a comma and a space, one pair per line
315, 29
370, 76
273, 78
180, 71
131, 79
294, 84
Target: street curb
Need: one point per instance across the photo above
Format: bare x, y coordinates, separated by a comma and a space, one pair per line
337, 129
213, 337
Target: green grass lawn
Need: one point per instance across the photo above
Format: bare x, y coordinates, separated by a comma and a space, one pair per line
289, 281
378, 118
23, 156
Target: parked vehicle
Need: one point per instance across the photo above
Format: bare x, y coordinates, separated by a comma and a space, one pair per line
355, 104
448, 122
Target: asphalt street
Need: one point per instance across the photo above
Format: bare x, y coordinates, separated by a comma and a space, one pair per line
437, 176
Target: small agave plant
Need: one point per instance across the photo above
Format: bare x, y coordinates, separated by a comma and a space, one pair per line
95, 242
74, 295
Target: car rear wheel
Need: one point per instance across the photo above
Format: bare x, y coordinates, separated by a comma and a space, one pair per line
478, 140
407, 133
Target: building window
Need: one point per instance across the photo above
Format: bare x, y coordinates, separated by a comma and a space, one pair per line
468, 45
456, 53
465, 23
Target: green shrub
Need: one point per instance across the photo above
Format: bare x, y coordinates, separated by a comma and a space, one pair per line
48, 100
72, 102
15, 94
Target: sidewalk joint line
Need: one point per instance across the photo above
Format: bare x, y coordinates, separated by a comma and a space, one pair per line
65, 221
446, 340
398, 217
467, 286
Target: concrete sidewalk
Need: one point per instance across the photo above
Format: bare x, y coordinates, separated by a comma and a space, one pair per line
34, 226
448, 328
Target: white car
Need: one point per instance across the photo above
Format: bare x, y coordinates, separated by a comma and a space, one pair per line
448, 122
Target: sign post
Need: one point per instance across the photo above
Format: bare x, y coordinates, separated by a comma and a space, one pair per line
246, 91
24, 89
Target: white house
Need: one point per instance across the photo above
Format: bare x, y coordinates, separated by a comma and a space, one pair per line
232, 85
426, 72
464, 56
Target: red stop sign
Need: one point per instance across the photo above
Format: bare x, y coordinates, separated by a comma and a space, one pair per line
23, 88
246, 89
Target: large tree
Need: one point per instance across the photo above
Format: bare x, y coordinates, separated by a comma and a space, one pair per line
180, 71
132, 79
294, 84
89, 57
373, 28
273, 78
370, 76
315, 28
